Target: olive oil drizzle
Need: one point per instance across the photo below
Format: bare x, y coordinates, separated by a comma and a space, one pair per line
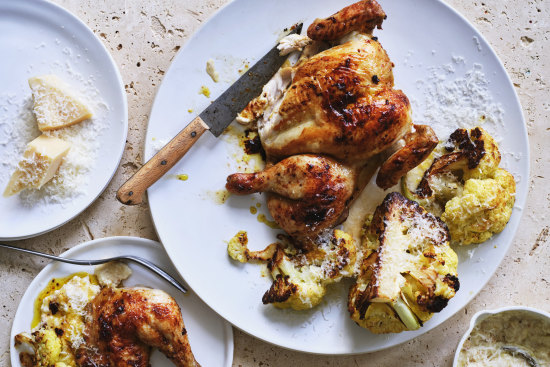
52, 286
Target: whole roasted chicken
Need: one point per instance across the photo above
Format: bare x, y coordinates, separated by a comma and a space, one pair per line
322, 120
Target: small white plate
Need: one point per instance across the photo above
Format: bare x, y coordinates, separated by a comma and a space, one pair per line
483, 314
36, 38
211, 338
427, 41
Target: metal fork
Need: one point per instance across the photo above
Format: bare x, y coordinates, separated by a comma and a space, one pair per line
136, 259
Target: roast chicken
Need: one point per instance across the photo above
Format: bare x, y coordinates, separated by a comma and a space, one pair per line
322, 120
126, 322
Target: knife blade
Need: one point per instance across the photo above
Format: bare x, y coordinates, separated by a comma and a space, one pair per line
215, 118
226, 107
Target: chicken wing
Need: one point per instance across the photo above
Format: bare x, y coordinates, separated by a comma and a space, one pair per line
362, 16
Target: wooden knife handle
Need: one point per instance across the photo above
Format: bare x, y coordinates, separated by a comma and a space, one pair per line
131, 193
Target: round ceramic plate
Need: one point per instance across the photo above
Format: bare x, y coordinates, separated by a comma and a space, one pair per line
37, 38
210, 336
453, 79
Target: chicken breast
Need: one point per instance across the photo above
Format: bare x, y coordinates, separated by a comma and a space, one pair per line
341, 103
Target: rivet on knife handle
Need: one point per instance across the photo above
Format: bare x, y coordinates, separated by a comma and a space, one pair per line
131, 193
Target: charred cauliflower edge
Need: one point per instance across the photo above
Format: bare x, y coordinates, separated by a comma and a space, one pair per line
462, 183
408, 272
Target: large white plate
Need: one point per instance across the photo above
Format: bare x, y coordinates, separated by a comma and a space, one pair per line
418, 35
38, 37
211, 338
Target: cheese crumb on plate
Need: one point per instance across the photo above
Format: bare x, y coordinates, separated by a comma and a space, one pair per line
112, 273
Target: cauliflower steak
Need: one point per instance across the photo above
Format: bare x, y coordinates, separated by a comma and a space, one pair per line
408, 270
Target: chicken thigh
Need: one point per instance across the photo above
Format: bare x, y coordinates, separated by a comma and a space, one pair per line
126, 322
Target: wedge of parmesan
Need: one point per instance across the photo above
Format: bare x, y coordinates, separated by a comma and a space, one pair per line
40, 163
55, 106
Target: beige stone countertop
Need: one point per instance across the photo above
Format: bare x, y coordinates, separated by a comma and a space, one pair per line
144, 36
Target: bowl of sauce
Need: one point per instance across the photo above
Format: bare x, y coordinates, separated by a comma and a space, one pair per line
509, 336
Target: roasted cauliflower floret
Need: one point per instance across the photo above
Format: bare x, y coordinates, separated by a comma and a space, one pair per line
462, 183
482, 209
47, 349
300, 278
297, 287
408, 271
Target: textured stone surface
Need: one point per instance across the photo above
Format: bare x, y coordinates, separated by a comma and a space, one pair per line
144, 36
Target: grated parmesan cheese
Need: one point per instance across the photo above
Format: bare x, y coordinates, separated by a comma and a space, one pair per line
452, 100
18, 126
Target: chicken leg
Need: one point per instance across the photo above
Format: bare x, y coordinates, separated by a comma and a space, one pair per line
127, 322
307, 193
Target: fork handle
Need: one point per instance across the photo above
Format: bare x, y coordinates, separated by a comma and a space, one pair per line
51, 257
138, 260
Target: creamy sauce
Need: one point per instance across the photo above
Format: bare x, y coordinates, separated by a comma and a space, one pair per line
59, 315
58, 321
520, 329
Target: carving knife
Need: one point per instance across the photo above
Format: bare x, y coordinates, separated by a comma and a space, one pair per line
215, 118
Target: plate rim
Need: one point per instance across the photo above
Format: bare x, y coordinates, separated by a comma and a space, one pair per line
518, 209
138, 241
24, 6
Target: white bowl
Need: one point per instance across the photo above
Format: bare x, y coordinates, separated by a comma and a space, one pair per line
483, 314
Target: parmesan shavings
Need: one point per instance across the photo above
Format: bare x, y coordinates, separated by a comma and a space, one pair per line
18, 126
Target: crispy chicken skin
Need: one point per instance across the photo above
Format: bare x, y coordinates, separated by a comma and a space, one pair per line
126, 322
307, 193
341, 103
